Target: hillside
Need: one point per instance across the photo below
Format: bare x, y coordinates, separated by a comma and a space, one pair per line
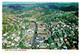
40, 26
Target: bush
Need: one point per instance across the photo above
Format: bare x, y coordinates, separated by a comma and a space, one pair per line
44, 29
9, 39
50, 40
54, 36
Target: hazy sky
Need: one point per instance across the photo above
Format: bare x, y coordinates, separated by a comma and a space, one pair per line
21, 2
31, 2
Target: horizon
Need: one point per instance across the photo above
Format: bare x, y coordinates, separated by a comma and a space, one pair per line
6, 3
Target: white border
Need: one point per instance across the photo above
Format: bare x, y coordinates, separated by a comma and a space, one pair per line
41, 0
37, 52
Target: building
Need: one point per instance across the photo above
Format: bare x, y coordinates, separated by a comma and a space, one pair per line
29, 31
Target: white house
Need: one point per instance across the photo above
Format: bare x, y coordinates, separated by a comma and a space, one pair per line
29, 31
17, 38
14, 35
4, 41
5, 34
8, 42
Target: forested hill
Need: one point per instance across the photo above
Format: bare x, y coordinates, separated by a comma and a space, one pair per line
20, 8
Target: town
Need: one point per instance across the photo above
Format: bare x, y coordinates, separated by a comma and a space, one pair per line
38, 26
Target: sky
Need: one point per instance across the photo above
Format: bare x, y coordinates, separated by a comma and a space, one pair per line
28, 2
20, 2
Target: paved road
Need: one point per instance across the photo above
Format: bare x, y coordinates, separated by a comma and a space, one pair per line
34, 37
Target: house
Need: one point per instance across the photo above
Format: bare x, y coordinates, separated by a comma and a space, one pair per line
5, 34
32, 25
2, 35
17, 38
27, 44
23, 26
4, 41
64, 47
59, 44
42, 34
13, 34
8, 45
13, 44
13, 22
42, 45
29, 31
41, 25
61, 39
7, 21
19, 32
15, 48
54, 23
8, 42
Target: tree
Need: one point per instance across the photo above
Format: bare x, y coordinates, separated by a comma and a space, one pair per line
22, 28
23, 40
4, 46
22, 45
4, 29
46, 41
60, 35
5, 36
44, 29
4, 22
9, 39
54, 36
21, 34
12, 29
39, 36
50, 40
26, 27
72, 36
26, 21
16, 27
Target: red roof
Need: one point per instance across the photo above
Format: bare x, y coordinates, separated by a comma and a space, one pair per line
45, 26
13, 22
57, 38
9, 44
67, 41
22, 48
64, 37
2, 35
27, 48
7, 21
72, 47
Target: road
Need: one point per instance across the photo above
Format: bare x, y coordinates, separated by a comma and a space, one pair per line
34, 37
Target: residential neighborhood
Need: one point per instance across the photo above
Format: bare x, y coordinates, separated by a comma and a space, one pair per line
40, 26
